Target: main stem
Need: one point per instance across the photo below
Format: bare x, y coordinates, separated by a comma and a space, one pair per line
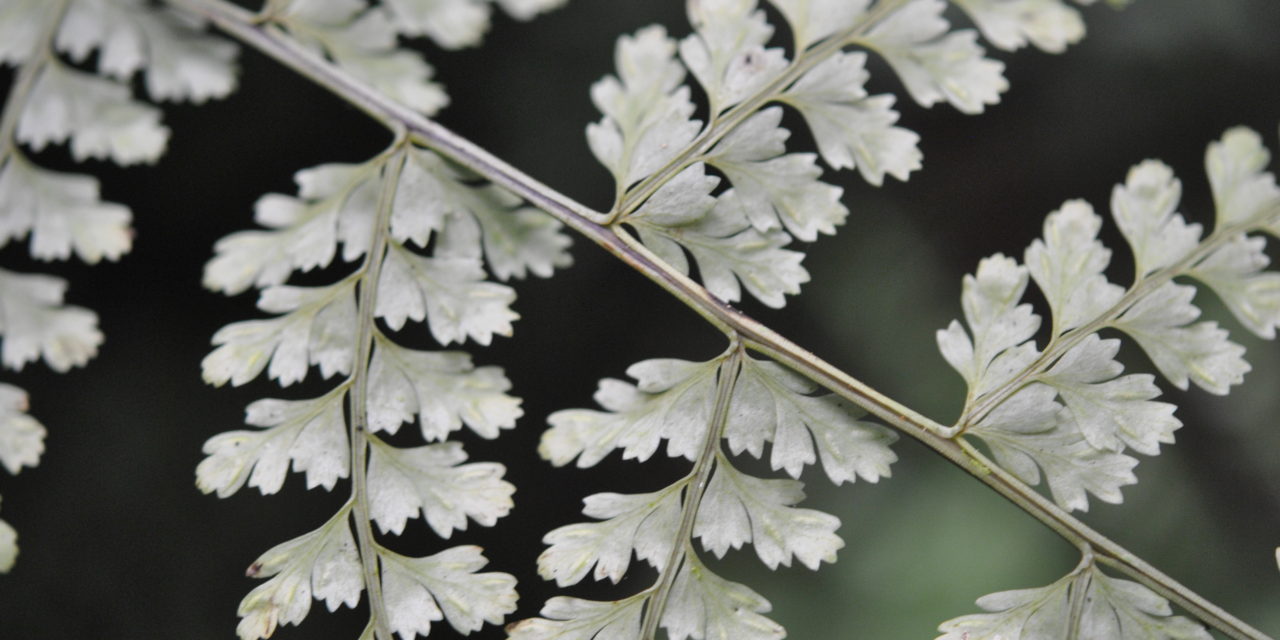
239, 23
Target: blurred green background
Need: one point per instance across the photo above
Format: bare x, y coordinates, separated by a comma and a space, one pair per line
117, 543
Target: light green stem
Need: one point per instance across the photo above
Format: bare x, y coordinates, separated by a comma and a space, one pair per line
359, 398
1078, 591
695, 488
582, 219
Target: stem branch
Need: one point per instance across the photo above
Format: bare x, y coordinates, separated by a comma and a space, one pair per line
359, 398
695, 488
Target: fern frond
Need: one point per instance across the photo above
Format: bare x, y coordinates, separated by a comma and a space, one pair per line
688, 405
1065, 408
96, 116
736, 232
385, 212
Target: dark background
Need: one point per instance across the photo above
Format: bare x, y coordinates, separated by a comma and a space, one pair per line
117, 543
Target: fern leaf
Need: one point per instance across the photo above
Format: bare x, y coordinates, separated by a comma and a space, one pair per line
682, 201
773, 404
773, 187
317, 328
704, 605
1201, 353
677, 400
442, 390
934, 64
1067, 411
1050, 25
646, 111
1144, 208
1068, 267
179, 62
368, 210
670, 400
21, 436
738, 509
309, 434
640, 522
21, 444
1125, 609
1112, 608
336, 203
527, 9
430, 190
432, 480
420, 591
814, 20
98, 116
1029, 432
565, 618
727, 52
522, 241
852, 129
1235, 272
37, 325
1001, 327
1111, 411
1242, 191
450, 293
323, 564
730, 253
62, 212
434, 197
454, 24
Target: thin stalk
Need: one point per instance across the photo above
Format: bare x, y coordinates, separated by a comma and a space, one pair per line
41, 55
1078, 595
695, 488
754, 335
359, 398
